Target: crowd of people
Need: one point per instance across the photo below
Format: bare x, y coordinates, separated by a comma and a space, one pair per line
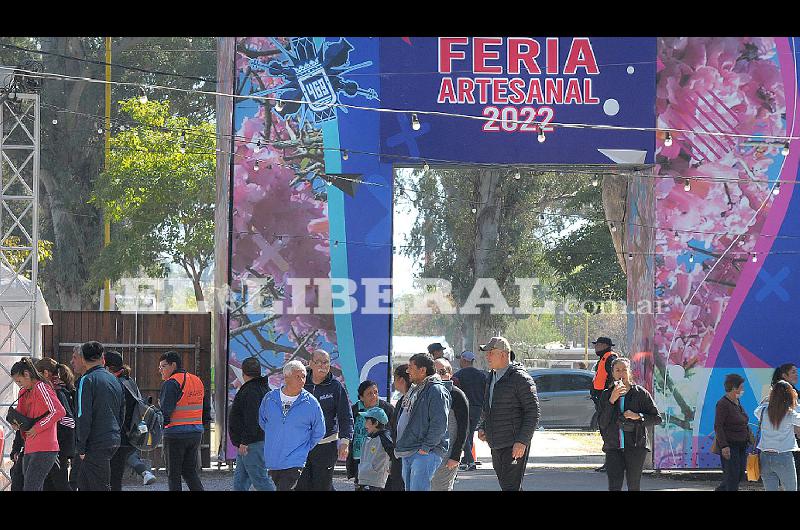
774, 445
81, 434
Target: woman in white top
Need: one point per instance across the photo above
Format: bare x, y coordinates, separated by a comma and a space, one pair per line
778, 419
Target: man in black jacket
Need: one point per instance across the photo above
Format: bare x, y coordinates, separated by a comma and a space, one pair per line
473, 382
100, 414
602, 375
318, 473
245, 432
510, 414
457, 426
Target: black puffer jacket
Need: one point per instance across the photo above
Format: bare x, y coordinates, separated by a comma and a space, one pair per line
513, 415
610, 419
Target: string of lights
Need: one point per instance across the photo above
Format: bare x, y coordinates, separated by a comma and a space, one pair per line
403, 191
423, 163
668, 131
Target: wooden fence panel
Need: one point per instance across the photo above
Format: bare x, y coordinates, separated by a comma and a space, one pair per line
141, 338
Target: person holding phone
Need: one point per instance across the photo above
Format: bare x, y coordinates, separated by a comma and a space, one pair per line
626, 411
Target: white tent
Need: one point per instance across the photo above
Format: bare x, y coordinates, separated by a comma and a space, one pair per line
17, 339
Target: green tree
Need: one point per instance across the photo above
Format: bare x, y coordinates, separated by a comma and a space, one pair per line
72, 150
159, 194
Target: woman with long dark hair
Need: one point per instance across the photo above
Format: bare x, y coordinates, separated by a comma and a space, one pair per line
626, 411
63, 381
778, 421
37, 400
788, 372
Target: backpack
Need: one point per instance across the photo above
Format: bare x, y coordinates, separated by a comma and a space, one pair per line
146, 427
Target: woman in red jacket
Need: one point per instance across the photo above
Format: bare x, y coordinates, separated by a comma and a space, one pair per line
37, 400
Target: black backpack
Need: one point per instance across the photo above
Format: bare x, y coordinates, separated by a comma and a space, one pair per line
146, 428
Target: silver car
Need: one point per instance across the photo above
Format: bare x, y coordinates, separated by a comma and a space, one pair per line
564, 397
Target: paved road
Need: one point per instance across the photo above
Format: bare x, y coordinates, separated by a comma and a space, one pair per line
558, 462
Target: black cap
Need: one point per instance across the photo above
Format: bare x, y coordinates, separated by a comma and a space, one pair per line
113, 358
435, 347
604, 340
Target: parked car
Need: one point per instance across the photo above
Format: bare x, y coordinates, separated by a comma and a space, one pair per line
564, 397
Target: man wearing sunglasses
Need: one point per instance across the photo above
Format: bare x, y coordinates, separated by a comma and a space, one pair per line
510, 414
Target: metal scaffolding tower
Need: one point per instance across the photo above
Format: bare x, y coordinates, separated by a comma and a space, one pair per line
19, 242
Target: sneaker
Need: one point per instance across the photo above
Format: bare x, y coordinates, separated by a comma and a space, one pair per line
601, 469
148, 478
478, 463
467, 467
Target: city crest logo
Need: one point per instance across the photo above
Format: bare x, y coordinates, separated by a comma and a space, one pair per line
314, 78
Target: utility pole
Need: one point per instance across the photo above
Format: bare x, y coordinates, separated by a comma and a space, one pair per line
107, 227
586, 341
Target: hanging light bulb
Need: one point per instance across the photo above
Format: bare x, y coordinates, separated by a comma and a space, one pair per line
668, 140
691, 258
182, 149
474, 210
755, 257
99, 130
415, 124
630, 256
541, 136
595, 181
55, 121
336, 243
121, 127
426, 167
785, 150
143, 97
345, 156
517, 175
687, 186
777, 189
677, 237
256, 166
613, 227
279, 105
569, 258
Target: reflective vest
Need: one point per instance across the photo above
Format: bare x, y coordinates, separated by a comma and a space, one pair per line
601, 376
189, 409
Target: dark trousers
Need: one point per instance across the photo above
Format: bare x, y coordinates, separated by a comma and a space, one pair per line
118, 463
94, 472
285, 479
474, 418
733, 468
395, 481
58, 479
182, 462
509, 474
36, 467
625, 464
318, 473
17, 476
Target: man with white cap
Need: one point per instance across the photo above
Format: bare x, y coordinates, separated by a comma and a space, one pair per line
510, 414
473, 383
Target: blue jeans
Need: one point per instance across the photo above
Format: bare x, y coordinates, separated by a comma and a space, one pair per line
418, 471
777, 469
250, 470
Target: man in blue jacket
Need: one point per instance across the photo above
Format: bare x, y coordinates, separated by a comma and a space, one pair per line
293, 424
100, 412
422, 438
332, 397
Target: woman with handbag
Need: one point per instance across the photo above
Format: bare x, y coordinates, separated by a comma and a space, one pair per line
626, 410
37, 400
777, 422
731, 434
63, 381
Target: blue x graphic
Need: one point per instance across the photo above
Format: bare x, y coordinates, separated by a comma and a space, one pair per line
407, 135
772, 284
